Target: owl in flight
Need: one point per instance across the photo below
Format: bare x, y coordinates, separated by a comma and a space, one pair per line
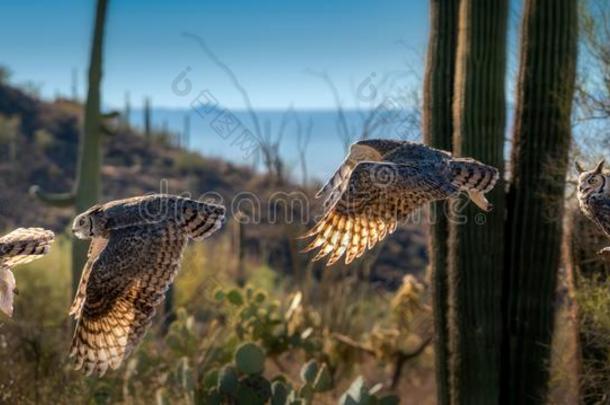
594, 198
135, 252
19, 247
380, 183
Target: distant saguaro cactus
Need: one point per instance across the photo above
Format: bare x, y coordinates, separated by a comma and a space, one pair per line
186, 133
476, 246
438, 132
127, 110
88, 182
542, 138
74, 85
147, 119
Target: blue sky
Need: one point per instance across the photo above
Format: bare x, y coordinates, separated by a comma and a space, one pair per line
269, 44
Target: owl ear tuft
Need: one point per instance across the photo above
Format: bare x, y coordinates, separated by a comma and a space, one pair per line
579, 167
600, 167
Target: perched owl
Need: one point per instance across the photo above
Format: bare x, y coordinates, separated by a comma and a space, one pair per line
135, 253
594, 198
19, 247
380, 183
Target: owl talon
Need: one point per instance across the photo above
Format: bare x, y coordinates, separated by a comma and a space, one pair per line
479, 199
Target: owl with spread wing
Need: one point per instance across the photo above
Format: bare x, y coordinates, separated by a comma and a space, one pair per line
135, 253
380, 183
21, 246
594, 198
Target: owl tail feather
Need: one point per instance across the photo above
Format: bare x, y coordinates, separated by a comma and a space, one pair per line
473, 176
24, 245
206, 219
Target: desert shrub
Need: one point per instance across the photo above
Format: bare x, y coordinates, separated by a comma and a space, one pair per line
594, 301
189, 362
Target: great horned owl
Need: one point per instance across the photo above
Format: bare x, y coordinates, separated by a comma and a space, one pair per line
380, 183
19, 247
135, 253
594, 198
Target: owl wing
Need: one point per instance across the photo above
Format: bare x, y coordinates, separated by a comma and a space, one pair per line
21, 246
24, 245
126, 280
338, 182
600, 211
7, 291
377, 197
412, 151
95, 248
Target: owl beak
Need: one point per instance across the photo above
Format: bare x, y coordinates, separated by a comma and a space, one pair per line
78, 234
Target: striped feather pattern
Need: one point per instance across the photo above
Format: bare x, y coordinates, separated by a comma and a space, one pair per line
471, 175
377, 198
122, 293
131, 265
21, 246
24, 245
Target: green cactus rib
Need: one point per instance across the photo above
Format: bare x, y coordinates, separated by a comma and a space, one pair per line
476, 247
438, 130
541, 143
88, 182
60, 200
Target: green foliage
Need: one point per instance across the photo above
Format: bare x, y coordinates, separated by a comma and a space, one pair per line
256, 318
9, 133
43, 139
242, 381
592, 295
245, 345
250, 359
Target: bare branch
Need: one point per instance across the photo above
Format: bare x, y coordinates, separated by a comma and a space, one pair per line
223, 66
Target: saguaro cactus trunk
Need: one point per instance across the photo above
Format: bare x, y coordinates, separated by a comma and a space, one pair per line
88, 183
476, 239
536, 198
438, 132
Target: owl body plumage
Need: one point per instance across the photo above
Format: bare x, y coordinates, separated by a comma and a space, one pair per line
21, 246
594, 198
135, 254
380, 183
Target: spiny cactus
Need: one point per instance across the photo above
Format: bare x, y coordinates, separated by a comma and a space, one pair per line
243, 383
541, 144
259, 319
438, 131
477, 244
88, 182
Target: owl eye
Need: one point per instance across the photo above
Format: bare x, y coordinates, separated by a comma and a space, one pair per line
82, 221
592, 180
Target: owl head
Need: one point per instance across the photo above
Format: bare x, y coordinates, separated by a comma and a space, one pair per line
89, 224
592, 181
